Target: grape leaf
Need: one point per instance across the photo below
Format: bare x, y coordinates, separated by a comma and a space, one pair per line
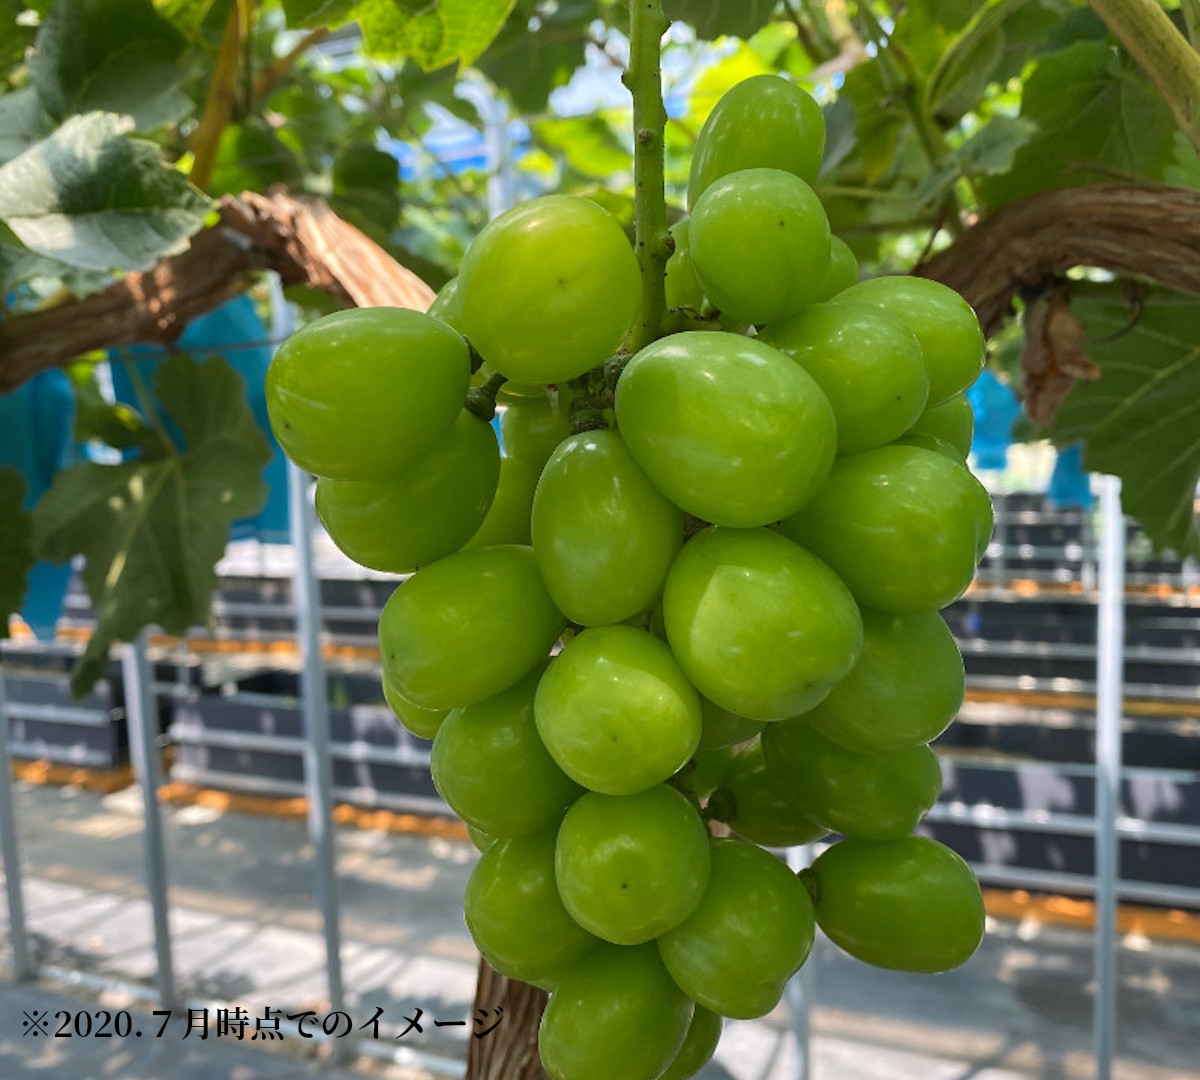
993, 147
529, 63
94, 198
187, 15
965, 68
587, 143
251, 157
1141, 419
925, 29
309, 14
1096, 116
713, 18
433, 32
110, 56
16, 547
22, 122
152, 530
366, 190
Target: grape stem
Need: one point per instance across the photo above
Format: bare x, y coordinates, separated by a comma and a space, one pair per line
481, 400
643, 77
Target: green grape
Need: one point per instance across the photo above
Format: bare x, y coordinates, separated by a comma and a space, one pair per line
516, 916
490, 766
936, 443
760, 626
866, 361
480, 839
751, 933
842, 272
902, 526
421, 722
866, 796
616, 1015
904, 690
759, 241
755, 808
530, 429
727, 428
910, 904
630, 867
363, 394
703, 1034
603, 535
953, 421
507, 520
549, 289
517, 391
467, 626
683, 288
446, 307
719, 727
615, 711
764, 122
944, 324
429, 510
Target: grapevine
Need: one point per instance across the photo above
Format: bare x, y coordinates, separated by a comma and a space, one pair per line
691, 615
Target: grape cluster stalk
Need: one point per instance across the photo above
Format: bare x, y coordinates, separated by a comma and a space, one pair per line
691, 615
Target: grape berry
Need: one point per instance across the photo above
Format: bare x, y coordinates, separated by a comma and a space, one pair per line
692, 614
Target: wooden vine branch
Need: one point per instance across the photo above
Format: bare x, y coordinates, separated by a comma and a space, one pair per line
301, 239
509, 1052
1151, 232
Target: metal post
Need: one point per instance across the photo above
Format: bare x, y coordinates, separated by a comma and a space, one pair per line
1110, 619
801, 989
141, 715
318, 768
22, 966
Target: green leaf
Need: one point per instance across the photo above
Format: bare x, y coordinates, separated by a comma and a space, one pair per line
250, 157
1184, 169
529, 63
926, 29
587, 143
186, 15
713, 18
151, 532
110, 56
366, 190
433, 32
965, 68
993, 147
19, 265
840, 138
1096, 117
310, 14
94, 198
16, 546
1141, 419
23, 122
115, 425
878, 120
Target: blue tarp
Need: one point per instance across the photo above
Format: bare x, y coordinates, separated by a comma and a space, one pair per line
235, 332
1070, 485
37, 436
996, 410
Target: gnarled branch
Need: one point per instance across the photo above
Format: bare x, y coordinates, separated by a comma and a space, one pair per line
301, 239
1147, 231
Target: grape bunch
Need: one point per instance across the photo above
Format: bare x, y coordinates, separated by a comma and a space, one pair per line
692, 615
